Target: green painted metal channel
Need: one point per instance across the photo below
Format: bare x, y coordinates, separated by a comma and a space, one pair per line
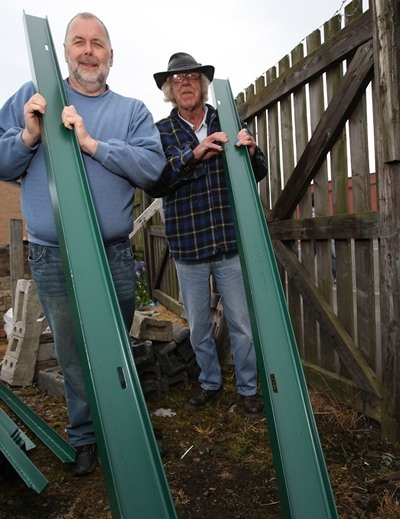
132, 468
65, 452
13, 444
303, 481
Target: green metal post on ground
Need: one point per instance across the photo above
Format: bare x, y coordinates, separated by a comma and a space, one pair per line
44, 432
12, 441
132, 467
303, 481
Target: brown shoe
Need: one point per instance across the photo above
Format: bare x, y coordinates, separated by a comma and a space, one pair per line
198, 400
252, 407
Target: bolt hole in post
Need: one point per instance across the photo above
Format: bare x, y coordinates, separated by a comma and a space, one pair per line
121, 377
274, 384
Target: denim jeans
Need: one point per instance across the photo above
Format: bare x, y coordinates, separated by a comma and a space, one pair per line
48, 274
194, 282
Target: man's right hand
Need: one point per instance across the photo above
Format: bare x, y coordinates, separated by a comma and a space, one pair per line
209, 147
35, 107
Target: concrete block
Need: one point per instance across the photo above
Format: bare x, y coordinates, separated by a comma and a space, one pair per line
27, 308
150, 328
51, 380
184, 351
170, 365
179, 333
142, 353
150, 372
42, 365
19, 362
163, 348
46, 351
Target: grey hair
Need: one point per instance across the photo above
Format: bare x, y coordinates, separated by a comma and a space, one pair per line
169, 96
87, 16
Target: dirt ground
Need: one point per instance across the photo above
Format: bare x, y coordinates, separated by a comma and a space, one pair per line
219, 465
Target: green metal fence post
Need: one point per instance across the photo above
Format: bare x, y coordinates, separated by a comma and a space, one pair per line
303, 480
44, 432
12, 439
132, 468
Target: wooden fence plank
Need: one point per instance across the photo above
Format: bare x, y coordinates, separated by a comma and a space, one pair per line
363, 249
320, 191
388, 175
387, 36
310, 335
288, 160
340, 205
274, 151
362, 226
145, 216
262, 141
275, 179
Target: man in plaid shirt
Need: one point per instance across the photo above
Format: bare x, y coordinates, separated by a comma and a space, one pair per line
200, 229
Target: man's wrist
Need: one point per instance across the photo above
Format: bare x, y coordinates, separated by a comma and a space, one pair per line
29, 140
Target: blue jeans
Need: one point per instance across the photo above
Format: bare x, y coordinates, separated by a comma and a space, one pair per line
48, 274
194, 282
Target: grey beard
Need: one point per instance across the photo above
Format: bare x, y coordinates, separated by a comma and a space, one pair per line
92, 83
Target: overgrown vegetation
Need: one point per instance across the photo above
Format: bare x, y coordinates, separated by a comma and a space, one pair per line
143, 298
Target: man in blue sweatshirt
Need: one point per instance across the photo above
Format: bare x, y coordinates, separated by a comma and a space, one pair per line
121, 150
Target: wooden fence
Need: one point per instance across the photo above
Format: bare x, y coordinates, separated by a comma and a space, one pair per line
327, 116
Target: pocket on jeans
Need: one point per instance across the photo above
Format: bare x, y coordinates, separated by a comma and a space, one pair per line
124, 251
36, 252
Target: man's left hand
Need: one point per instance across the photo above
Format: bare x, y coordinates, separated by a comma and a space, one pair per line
244, 138
72, 120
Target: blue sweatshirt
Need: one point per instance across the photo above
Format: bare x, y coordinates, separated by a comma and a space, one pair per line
129, 155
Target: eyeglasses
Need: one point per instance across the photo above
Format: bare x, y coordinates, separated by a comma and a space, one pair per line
190, 76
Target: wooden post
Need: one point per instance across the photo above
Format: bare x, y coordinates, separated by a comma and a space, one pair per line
17, 269
386, 95
387, 63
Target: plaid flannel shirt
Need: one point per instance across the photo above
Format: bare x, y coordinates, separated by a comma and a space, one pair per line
198, 216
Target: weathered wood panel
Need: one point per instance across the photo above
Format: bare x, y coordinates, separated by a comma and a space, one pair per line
340, 205
262, 140
288, 161
309, 345
363, 249
386, 29
320, 201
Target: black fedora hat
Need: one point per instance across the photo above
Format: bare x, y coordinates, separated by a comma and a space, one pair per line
182, 62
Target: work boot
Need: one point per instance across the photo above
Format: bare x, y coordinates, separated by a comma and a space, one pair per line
86, 460
252, 407
198, 400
